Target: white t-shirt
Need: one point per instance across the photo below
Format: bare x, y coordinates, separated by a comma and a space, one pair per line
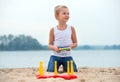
62, 39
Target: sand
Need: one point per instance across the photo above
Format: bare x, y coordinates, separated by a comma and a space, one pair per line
85, 74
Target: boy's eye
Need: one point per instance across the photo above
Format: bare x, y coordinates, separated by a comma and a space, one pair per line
66, 13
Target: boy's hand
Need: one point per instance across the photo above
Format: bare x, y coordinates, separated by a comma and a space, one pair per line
69, 48
56, 49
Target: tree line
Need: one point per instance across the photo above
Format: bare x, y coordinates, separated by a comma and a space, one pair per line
20, 42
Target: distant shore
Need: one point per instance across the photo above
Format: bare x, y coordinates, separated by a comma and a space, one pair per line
85, 74
23, 42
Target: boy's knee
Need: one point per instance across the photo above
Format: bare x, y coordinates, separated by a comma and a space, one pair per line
75, 70
50, 70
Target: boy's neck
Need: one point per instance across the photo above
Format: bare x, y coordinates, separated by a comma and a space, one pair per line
62, 26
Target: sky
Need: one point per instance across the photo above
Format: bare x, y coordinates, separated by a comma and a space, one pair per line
97, 22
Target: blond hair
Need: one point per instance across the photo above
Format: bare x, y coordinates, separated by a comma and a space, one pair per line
58, 8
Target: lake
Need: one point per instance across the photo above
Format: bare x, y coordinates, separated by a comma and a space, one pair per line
89, 58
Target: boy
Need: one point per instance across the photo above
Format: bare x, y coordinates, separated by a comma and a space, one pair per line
61, 36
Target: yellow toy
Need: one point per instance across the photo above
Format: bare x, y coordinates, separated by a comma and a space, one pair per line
72, 69
41, 69
55, 68
68, 67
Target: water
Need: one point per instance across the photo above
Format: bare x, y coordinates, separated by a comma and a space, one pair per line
91, 58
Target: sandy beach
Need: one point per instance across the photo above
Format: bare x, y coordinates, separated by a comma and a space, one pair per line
84, 74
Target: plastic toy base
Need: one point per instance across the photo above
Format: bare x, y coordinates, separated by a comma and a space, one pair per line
68, 77
64, 76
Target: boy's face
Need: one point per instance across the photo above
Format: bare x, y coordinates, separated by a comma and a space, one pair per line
63, 15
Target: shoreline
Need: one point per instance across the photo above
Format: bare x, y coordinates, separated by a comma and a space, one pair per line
84, 74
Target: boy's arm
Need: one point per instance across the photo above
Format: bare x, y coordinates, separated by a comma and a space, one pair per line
74, 38
51, 40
